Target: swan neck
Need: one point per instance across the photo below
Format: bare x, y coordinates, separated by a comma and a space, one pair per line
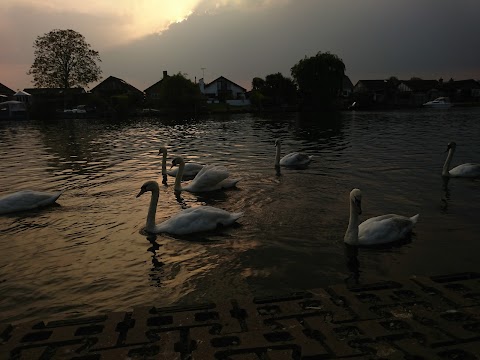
277, 155
152, 210
178, 178
351, 235
446, 166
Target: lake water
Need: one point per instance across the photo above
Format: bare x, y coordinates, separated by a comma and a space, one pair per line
88, 254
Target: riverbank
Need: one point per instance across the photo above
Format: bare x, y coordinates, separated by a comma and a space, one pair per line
434, 317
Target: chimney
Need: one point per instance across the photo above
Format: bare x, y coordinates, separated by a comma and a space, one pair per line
165, 74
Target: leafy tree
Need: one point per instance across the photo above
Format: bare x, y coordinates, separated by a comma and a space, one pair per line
63, 59
257, 99
179, 93
319, 79
392, 89
258, 83
393, 81
275, 90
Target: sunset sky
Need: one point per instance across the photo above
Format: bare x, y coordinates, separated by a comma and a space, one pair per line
242, 39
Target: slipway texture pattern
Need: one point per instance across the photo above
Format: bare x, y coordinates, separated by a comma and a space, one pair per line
417, 318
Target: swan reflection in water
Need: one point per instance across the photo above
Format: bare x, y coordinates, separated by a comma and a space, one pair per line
353, 265
352, 252
155, 271
446, 190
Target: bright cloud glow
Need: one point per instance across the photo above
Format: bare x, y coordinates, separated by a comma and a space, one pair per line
136, 18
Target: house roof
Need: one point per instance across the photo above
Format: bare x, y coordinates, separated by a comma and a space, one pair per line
21, 93
224, 78
157, 83
372, 85
153, 86
114, 83
464, 84
53, 91
421, 85
6, 90
346, 82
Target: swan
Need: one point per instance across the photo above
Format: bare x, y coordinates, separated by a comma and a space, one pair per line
191, 168
463, 170
210, 178
292, 159
376, 230
200, 218
27, 200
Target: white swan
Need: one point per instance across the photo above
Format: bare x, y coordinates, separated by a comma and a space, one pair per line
191, 168
463, 170
292, 159
27, 200
200, 218
210, 178
376, 230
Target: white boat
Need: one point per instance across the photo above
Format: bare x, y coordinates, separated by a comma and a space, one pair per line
13, 110
439, 103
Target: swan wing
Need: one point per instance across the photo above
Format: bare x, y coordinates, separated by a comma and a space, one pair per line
385, 228
209, 177
228, 183
197, 219
191, 169
295, 158
466, 170
27, 200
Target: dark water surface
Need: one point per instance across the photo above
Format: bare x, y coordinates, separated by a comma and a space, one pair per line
89, 255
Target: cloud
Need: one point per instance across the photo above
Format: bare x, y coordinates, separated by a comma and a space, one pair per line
241, 39
129, 19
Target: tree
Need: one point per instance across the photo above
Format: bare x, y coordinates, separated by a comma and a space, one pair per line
63, 59
180, 93
319, 79
275, 90
258, 83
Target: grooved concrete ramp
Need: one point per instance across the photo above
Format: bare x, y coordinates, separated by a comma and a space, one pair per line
417, 318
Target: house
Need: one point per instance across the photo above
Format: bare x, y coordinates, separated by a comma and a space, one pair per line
58, 98
463, 90
417, 92
113, 86
5, 93
153, 92
347, 86
22, 96
373, 91
221, 89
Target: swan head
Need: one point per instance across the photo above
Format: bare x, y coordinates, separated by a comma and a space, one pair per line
356, 200
177, 161
162, 150
277, 142
451, 145
148, 186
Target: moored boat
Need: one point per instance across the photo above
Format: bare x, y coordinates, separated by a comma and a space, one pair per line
439, 103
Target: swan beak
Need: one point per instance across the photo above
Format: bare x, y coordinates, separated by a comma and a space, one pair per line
140, 193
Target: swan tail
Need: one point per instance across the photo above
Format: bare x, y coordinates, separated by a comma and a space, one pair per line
57, 195
237, 215
229, 183
414, 219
